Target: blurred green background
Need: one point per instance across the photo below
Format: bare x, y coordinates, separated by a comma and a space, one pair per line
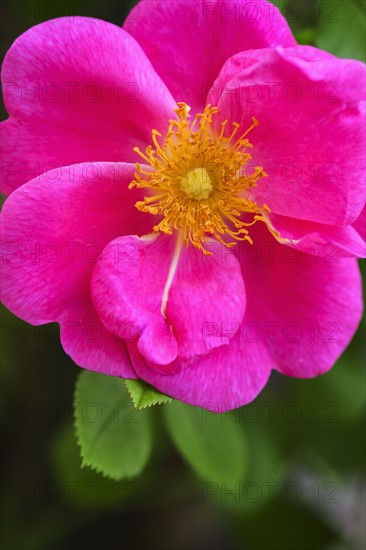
304, 481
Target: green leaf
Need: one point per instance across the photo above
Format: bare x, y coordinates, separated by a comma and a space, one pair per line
342, 28
213, 444
143, 395
115, 439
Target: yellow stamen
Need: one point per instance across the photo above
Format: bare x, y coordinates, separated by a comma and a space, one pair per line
198, 184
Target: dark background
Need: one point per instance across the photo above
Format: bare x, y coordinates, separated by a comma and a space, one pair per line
48, 502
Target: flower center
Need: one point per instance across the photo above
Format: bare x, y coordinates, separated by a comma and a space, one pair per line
197, 184
198, 180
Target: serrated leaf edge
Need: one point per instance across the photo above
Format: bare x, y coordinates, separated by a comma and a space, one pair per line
162, 401
84, 462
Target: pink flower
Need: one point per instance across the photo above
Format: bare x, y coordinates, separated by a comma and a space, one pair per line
216, 259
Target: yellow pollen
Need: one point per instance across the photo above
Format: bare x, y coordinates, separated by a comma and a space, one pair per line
198, 180
197, 184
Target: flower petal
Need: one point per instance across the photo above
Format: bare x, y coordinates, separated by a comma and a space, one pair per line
305, 308
319, 239
301, 313
86, 340
311, 134
127, 288
77, 90
130, 285
225, 379
360, 224
180, 36
53, 230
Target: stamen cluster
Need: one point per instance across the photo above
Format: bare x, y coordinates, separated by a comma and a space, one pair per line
197, 181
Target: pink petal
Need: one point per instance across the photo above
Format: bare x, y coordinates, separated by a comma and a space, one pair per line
305, 308
53, 230
311, 134
360, 224
77, 90
227, 378
188, 41
89, 344
319, 239
208, 291
128, 287
302, 312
